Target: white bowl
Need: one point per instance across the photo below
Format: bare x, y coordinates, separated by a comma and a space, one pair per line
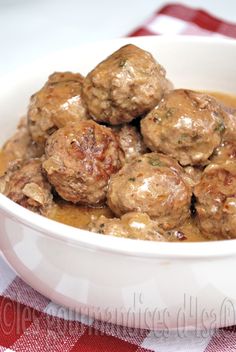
135, 283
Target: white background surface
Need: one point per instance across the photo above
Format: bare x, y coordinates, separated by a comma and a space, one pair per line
30, 29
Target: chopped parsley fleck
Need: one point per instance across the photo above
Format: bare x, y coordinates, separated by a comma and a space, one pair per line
169, 112
220, 127
132, 179
183, 137
155, 162
122, 62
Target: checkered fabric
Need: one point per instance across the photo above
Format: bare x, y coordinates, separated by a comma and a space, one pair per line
30, 322
180, 19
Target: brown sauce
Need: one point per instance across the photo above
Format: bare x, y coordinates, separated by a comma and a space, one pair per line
77, 215
80, 216
4, 161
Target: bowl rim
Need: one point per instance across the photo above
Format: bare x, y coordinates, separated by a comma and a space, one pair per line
111, 244
106, 243
215, 39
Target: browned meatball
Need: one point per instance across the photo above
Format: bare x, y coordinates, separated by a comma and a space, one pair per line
21, 145
25, 184
125, 85
185, 125
226, 151
130, 141
216, 201
193, 173
131, 225
230, 124
153, 184
80, 158
56, 104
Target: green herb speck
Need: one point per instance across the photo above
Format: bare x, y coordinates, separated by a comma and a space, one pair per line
183, 138
132, 179
155, 162
122, 62
169, 112
220, 127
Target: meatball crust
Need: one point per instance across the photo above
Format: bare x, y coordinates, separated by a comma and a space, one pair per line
216, 201
127, 84
185, 125
230, 124
130, 141
80, 159
20, 145
226, 151
154, 184
130, 225
26, 185
193, 173
56, 104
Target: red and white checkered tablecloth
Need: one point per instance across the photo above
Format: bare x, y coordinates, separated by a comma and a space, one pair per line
30, 322
184, 20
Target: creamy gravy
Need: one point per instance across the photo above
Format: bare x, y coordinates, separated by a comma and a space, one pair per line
80, 216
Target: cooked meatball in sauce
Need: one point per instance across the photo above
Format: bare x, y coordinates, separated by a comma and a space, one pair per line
216, 201
80, 159
56, 104
130, 141
127, 84
193, 174
20, 145
226, 151
185, 125
25, 184
153, 184
122, 153
130, 225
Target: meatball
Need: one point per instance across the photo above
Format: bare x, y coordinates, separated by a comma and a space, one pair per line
25, 184
56, 104
131, 225
185, 125
154, 184
193, 173
216, 201
230, 125
127, 84
80, 159
130, 141
21, 145
226, 151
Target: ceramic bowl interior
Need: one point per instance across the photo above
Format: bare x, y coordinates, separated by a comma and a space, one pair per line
199, 63
154, 268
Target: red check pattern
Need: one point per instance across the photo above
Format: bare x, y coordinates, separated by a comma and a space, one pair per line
180, 19
30, 322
